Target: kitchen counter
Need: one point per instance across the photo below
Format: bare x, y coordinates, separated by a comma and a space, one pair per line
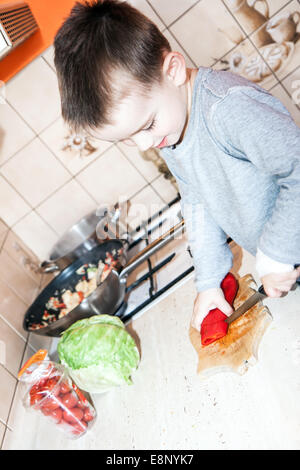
169, 407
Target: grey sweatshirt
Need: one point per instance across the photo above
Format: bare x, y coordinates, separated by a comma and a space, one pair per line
238, 171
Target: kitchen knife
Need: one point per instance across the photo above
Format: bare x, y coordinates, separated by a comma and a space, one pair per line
256, 297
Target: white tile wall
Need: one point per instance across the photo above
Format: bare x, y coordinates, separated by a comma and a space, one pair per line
20, 253
170, 12
2, 432
58, 211
146, 203
7, 389
3, 232
145, 8
11, 142
18, 287
37, 234
12, 308
48, 56
145, 167
35, 159
111, 177
34, 94
165, 189
12, 206
55, 137
14, 346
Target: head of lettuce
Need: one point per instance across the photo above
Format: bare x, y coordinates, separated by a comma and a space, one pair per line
98, 353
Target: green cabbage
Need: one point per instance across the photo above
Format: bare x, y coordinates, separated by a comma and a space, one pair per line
98, 353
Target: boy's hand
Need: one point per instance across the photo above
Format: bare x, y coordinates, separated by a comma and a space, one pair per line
276, 284
206, 301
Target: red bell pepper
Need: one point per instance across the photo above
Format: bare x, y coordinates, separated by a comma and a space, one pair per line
214, 326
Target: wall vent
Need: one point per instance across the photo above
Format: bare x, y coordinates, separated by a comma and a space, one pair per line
17, 23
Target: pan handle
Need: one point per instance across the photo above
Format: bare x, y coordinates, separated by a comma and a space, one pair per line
48, 267
151, 249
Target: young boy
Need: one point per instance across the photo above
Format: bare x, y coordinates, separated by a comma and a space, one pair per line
233, 148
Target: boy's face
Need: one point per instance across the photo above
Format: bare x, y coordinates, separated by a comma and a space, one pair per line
153, 119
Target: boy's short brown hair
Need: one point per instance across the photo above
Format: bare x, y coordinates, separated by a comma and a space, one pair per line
98, 38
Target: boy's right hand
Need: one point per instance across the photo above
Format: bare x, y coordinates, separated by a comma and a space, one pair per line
206, 301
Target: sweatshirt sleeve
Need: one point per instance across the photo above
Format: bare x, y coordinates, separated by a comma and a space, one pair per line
212, 255
251, 124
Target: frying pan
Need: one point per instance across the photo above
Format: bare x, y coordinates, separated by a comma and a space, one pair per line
106, 298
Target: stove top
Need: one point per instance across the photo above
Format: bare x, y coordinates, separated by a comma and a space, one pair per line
164, 271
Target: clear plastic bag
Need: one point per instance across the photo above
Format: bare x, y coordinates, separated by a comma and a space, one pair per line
50, 391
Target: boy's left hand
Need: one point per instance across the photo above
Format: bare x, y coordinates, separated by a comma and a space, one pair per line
277, 284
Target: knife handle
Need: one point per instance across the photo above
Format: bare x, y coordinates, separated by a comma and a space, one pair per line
262, 291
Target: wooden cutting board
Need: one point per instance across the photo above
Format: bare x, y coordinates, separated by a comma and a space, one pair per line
239, 348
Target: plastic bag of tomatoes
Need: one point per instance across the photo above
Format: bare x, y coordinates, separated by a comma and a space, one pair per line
51, 392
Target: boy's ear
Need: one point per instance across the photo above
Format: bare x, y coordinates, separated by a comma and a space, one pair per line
174, 68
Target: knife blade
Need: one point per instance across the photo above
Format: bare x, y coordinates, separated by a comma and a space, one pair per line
256, 297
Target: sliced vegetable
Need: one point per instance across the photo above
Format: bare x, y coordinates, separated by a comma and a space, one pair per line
214, 326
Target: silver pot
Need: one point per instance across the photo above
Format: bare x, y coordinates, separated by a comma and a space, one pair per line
77, 241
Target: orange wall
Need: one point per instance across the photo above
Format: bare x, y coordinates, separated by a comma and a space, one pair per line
49, 15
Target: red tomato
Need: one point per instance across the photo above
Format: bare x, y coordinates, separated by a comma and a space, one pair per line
64, 388
88, 415
56, 415
79, 428
46, 412
40, 383
81, 405
51, 386
69, 400
73, 416
34, 389
37, 390
50, 403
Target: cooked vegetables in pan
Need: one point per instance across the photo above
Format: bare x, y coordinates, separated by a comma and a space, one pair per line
65, 300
